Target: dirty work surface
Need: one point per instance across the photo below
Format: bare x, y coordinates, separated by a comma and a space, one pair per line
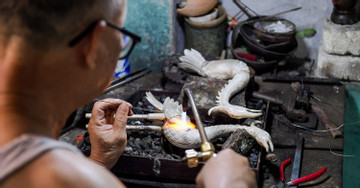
316, 154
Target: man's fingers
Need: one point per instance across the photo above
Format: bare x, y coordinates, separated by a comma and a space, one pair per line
121, 117
108, 104
107, 107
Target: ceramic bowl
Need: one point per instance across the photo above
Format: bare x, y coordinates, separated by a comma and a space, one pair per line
197, 7
206, 17
212, 23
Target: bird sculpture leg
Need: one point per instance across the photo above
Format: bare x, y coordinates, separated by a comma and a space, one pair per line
261, 136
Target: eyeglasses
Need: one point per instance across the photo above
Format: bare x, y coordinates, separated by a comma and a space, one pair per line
128, 44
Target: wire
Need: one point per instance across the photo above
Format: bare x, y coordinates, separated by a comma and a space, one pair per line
324, 131
328, 130
339, 154
315, 131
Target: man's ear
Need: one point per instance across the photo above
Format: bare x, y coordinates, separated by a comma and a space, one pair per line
91, 42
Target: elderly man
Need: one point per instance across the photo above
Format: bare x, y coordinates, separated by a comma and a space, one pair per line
56, 56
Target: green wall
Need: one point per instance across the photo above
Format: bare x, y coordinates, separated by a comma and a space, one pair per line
153, 21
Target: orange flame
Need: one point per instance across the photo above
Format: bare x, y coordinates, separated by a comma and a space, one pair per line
180, 125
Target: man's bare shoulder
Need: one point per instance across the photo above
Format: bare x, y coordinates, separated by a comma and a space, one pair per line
63, 168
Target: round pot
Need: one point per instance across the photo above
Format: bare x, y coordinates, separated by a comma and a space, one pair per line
265, 32
246, 31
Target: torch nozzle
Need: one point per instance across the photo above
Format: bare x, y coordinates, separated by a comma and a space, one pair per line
206, 145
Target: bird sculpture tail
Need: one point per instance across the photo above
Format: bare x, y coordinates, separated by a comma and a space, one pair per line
193, 61
152, 100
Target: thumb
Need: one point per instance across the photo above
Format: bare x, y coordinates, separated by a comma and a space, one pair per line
121, 117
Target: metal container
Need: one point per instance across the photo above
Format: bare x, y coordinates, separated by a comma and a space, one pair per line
272, 36
207, 37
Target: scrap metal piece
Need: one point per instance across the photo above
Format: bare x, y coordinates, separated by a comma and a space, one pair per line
321, 115
287, 99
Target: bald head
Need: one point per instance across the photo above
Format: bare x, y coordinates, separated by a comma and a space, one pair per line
44, 23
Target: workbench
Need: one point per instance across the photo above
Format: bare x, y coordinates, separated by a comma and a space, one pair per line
320, 149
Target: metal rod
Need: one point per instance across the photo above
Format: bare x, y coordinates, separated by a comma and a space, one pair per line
199, 125
144, 127
297, 158
271, 16
311, 80
151, 116
243, 4
242, 8
267, 111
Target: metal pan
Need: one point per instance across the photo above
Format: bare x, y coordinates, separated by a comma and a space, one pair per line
246, 31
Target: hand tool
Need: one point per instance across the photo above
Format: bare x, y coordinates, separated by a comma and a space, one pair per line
298, 157
207, 148
295, 180
288, 99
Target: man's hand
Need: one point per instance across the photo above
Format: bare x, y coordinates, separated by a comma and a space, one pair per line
108, 133
227, 169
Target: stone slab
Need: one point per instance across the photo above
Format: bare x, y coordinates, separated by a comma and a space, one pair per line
205, 92
336, 66
341, 39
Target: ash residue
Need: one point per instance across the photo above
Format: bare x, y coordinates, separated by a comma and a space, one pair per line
147, 144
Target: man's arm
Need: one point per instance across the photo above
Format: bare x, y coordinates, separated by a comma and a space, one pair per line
62, 168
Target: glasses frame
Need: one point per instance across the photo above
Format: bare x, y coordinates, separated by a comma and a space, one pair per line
133, 36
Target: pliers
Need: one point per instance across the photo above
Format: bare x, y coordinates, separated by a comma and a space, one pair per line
298, 180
